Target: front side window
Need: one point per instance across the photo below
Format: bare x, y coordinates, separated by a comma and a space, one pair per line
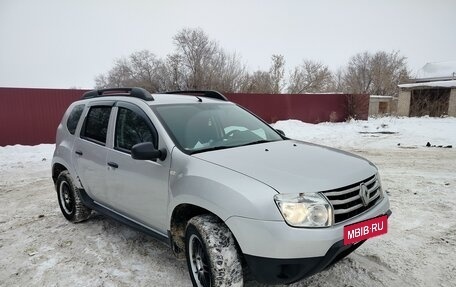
74, 117
96, 124
204, 127
131, 129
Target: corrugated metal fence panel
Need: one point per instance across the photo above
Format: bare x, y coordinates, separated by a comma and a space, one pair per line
31, 116
311, 108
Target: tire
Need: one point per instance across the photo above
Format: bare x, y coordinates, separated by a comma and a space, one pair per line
212, 255
69, 199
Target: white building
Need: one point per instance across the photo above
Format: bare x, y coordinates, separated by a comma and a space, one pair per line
432, 93
380, 105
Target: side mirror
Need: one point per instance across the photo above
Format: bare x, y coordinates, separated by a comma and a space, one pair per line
281, 132
147, 151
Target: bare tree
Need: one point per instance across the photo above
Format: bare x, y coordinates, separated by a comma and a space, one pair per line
358, 75
337, 81
140, 69
277, 73
196, 51
118, 76
388, 70
199, 63
309, 77
146, 70
174, 72
257, 82
269, 82
377, 74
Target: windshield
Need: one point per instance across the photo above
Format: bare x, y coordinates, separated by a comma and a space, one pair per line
204, 127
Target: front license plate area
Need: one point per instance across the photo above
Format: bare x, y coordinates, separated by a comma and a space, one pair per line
365, 229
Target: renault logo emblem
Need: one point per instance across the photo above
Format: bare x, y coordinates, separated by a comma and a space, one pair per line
364, 194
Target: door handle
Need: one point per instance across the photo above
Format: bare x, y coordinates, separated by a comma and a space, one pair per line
113, 164
78, 152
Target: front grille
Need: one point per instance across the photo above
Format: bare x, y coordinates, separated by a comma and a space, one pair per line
347, 202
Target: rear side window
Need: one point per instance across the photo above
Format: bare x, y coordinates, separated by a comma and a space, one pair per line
96, 124
74, 117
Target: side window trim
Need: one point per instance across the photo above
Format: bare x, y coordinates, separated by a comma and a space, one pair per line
137, 110
114, 143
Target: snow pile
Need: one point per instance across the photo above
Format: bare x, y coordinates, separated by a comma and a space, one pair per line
12, 155
25, 163
386, 132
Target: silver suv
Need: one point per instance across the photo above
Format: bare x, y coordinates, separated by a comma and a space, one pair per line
224, 189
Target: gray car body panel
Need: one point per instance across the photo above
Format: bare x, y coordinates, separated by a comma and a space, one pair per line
220, 190
294, 167
64, 148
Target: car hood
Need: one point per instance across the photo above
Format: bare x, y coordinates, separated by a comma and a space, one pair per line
292, 166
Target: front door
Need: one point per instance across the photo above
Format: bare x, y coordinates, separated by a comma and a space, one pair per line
137, 188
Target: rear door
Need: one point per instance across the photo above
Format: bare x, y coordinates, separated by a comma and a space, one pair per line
90, 151
137, 188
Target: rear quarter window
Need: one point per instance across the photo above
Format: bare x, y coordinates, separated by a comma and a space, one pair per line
74, 117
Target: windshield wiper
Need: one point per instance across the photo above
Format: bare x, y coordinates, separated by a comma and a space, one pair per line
225, 147
256, 142
211, 149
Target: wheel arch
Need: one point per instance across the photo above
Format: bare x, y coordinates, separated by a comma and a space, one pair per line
57, 168
181, 214
60, 164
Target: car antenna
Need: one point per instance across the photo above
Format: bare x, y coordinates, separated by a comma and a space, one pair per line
199, 99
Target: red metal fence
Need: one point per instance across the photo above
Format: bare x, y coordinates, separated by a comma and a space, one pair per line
310, 108
31, 116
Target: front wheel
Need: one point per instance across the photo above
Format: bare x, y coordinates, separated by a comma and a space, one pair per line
212, 256
70, 199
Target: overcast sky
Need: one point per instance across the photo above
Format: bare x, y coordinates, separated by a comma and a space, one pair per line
62, 44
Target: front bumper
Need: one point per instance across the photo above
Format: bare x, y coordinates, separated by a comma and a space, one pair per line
287, 271
276, 239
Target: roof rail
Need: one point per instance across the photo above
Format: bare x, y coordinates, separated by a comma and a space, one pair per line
208, 94
135, 92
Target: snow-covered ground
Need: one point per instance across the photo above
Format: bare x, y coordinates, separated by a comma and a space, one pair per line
376, 133
38, 247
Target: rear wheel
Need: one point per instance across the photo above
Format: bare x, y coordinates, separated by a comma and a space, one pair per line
69, 199
212, 255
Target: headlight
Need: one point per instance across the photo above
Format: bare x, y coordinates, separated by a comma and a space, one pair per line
305, 209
